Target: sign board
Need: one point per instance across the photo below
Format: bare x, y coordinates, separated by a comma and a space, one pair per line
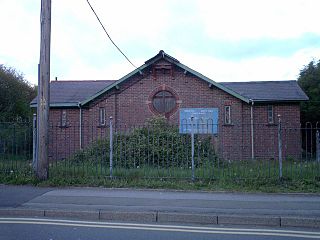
198, 120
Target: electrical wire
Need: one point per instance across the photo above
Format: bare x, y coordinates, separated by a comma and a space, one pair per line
109, 35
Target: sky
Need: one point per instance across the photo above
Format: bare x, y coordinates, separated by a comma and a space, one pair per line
225, 40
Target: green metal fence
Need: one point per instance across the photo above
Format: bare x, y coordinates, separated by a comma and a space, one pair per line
157, 150
16, 148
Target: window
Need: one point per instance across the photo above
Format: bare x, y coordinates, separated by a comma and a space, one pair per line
102, 116
164, 102
270, 114
63, 118
227, 114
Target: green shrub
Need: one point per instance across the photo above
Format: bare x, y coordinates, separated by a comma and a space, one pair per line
156, 144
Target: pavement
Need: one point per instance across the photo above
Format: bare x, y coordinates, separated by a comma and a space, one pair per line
161, 206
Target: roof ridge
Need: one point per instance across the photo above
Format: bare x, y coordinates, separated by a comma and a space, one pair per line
160, 55
269, 81
172, 60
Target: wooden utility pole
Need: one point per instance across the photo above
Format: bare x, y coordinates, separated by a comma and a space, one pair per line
42, 168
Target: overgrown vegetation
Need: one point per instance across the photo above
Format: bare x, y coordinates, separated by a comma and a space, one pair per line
156, 144
309, 80
16, 95
245, 185
15, 140
157, 156
235, 176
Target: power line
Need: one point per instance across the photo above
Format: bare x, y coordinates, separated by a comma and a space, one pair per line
109, 35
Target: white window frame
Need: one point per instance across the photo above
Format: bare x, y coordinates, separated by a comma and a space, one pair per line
270, 114
102, 116
227, 114
64, 119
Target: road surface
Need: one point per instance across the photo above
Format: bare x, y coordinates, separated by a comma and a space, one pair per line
51, 229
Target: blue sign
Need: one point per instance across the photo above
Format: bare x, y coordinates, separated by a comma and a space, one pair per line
198, 120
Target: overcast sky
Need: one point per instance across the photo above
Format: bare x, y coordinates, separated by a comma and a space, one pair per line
225, 40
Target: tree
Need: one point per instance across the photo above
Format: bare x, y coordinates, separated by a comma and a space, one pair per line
15, 95
309, 81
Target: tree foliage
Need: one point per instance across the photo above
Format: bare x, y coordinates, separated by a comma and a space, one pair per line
309, 81
15, 95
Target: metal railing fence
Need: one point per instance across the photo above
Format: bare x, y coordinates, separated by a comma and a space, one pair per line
158, 150
15, 147
161, 151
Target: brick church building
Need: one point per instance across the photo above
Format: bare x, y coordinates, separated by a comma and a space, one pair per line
246, 113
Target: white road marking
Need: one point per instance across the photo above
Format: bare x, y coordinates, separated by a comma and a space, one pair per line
171, 228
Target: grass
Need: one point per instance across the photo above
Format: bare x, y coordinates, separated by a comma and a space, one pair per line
11, 163
244, 176
159, 157
245, 185
214, 170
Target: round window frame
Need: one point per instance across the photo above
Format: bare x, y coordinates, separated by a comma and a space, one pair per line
168, 95
172, 92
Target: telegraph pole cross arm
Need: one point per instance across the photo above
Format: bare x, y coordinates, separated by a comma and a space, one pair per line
42, 168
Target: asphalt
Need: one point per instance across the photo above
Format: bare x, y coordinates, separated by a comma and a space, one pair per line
162, 206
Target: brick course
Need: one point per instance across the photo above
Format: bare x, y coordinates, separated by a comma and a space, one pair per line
129, 105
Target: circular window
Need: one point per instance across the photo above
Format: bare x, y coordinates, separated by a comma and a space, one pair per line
164, 102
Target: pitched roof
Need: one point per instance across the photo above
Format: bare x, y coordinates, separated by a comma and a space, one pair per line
167, 57
161, 54
71, 93
268, 91
75, 93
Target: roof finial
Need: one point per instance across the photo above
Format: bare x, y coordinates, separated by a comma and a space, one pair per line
162, 53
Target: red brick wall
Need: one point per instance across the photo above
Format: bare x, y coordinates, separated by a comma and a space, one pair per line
291, 134
266, 135
63, 140
192, 92
129, 105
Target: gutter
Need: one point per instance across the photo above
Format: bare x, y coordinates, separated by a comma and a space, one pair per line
252, 128
58, 105
280, 101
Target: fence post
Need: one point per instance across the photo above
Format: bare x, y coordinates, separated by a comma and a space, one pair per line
280, 146
318, 146
192, 148
14, 141
111, 148
34, 142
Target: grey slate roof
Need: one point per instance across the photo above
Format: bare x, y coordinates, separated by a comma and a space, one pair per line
70, 93
268, 91
75, 93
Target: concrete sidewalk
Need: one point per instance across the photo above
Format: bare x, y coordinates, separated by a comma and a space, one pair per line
294, 210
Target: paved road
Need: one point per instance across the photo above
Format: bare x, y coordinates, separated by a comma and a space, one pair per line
14, 196
173, 201
162, 206
36, 229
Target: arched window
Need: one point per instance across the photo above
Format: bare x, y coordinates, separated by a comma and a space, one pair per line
164, 102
